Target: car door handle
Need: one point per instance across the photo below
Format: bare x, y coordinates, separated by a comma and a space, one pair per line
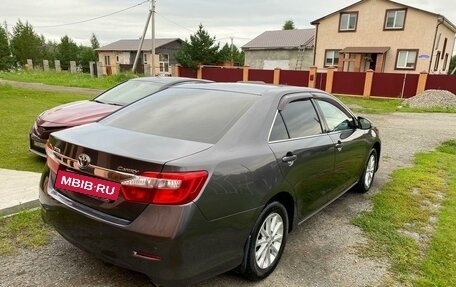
289, 158
339, 145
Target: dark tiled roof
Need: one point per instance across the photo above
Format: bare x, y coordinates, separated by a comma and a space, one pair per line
133, 44
282, 39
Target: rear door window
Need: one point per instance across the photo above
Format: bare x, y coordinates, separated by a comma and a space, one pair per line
298, 119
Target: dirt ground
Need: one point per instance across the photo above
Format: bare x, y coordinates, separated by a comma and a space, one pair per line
322, 251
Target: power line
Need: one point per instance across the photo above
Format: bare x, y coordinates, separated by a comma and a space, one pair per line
192, 31
92, 19
177, 24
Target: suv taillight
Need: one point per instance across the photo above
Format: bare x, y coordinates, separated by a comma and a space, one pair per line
164, 188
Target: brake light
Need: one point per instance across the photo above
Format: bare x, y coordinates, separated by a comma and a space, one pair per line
164, 188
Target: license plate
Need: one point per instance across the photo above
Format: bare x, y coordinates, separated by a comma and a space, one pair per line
87, 185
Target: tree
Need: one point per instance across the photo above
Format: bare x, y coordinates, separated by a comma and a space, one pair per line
232, 53
225, 54
289, 25
50, 50
238, 56
26, 44
200, 50
67, 51
453, 64
6, 60
88, 54
94, 42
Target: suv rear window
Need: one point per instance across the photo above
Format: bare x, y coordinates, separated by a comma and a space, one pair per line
189, 114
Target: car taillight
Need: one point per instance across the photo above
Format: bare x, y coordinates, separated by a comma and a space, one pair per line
164, 188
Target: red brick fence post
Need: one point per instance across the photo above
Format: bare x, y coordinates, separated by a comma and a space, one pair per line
368, 83
421, 82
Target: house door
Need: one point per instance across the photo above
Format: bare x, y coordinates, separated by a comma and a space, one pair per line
373, 62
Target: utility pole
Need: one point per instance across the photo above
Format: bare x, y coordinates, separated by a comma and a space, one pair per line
138, 53
152, 26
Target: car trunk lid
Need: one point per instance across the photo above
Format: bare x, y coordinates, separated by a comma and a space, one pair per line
83, 151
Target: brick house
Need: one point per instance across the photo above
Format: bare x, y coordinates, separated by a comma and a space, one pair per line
285, 49
121, 55
384, 36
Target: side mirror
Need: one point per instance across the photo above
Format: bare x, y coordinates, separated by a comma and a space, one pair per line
364, 123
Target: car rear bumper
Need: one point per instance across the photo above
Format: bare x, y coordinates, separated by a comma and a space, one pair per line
186, 248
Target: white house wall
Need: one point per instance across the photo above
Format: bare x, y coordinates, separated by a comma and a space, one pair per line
256, 58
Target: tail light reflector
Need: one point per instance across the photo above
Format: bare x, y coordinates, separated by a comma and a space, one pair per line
164, 188
147, 256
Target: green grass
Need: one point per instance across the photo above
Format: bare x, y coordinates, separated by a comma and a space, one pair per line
20, 107
23, 230
377, 106
66, 79
421, 252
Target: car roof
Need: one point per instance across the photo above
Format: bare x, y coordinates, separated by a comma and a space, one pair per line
251, 88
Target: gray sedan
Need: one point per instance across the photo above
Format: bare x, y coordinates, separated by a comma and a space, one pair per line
201, 179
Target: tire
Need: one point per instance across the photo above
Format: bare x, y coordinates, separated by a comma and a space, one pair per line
266, 246
365, 181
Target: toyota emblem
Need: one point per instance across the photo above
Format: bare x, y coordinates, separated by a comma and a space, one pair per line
83, 161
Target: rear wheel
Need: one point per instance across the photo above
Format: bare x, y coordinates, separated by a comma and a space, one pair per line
365, 182
268, 239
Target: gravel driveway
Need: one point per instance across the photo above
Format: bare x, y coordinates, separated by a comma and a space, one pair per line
320, 252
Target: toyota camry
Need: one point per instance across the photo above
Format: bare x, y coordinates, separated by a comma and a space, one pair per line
201, 179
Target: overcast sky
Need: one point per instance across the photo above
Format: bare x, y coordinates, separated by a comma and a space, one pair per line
241, 19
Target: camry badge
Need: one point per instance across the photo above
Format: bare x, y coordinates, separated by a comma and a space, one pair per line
83, 161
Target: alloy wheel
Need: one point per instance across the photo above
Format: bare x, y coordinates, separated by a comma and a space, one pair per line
370, 170
269, 240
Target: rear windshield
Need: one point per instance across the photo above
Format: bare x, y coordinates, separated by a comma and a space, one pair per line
128, 92
188, 114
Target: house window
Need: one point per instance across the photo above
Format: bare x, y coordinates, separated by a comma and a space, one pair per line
437, 61
117, 59
406, 59
438, 41
445, 62
107, 60
395, 19
331, 58
444, 47
348, 21
164, 63
144, 58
